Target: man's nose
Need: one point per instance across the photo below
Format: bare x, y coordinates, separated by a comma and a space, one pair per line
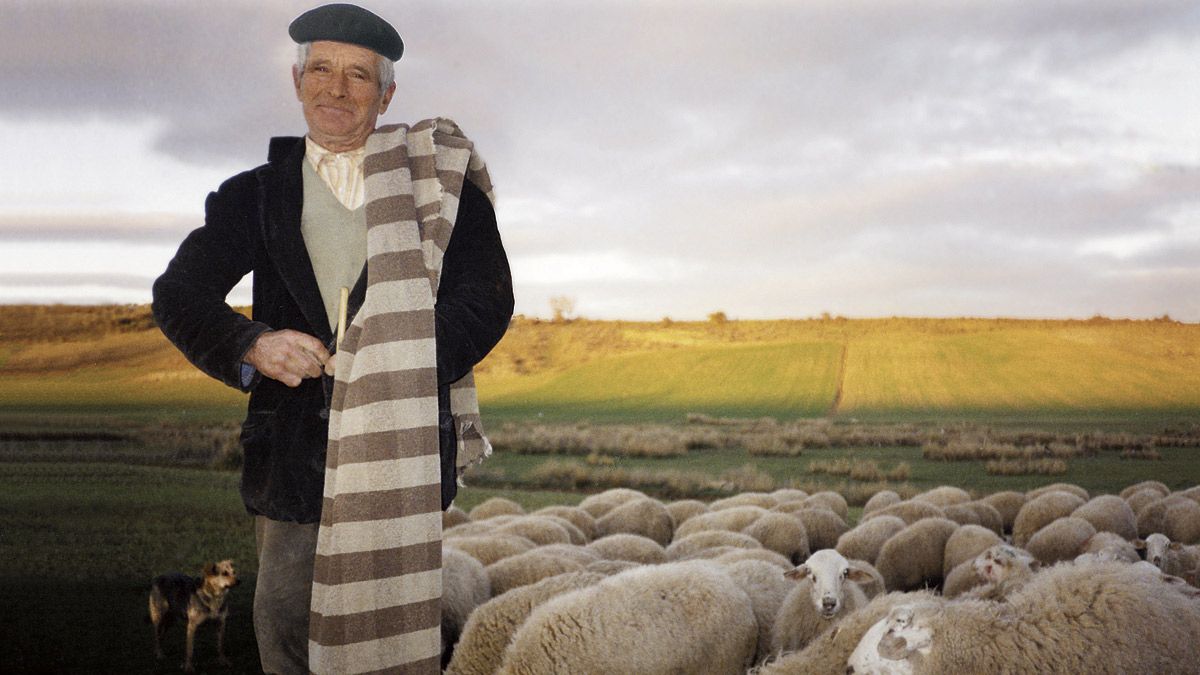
337, 86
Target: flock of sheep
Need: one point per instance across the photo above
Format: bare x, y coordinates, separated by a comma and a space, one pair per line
1053, 580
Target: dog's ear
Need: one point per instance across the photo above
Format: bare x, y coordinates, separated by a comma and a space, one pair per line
210, 570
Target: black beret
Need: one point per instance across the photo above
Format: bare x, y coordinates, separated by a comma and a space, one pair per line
343, 22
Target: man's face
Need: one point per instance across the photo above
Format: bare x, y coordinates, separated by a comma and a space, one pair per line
339, 91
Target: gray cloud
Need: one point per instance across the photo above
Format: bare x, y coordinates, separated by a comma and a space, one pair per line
935, 157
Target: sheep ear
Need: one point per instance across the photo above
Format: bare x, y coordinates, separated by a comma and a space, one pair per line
1175, 546
1139, 544
858, 574
798, 573
1035, 565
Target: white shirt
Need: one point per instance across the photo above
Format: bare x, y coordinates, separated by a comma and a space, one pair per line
341, 171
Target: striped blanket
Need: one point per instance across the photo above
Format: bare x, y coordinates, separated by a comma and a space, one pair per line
377, 580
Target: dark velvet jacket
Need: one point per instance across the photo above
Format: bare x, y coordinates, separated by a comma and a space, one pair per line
252, 224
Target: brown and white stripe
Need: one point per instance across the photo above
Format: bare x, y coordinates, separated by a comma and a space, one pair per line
377, 581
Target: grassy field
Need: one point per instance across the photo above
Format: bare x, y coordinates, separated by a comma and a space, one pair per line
115, 454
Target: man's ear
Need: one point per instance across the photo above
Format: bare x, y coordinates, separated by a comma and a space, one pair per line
387, 98
296, 75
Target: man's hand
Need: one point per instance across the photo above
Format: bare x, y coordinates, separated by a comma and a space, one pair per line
288, 356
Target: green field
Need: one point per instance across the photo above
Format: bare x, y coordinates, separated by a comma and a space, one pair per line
112, 446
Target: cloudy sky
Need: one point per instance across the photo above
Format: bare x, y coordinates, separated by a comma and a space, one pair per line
660, 158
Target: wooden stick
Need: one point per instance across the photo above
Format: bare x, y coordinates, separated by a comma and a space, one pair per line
341, 327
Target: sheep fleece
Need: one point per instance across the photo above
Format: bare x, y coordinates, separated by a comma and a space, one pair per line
687, 617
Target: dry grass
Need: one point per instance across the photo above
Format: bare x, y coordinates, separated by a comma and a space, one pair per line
1026, 467
865, 470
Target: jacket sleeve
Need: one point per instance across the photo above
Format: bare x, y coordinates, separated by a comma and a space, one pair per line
475, 298
189, 298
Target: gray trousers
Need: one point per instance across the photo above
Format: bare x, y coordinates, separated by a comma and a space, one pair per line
283, 593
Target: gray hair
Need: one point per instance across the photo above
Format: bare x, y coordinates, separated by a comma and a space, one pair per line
385, 68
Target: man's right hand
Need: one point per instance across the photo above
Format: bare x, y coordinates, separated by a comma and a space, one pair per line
288, 356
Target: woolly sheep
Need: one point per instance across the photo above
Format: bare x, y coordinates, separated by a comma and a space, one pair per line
599, 504
944, 496
759, 499
767, 588
864, 541
1157, 486
491, 625
908, 511
630, 547
1142, 498
541, 530
684, 509
576, 535
1003, 569
1008, 503
1041, 511
706, 539
961, 579
687, 617
496, 506
488, 549
781, 533
610, 567
1110, 546
1175, 516
988, 515
881, 499
1059, 487
1109, 513
1171, 557
789, 495
830, 650
454, 516
961, 514
1099, 618
735, 555
1192, 493
873, 584
831, 500
475, 528
967, 542
913, 557
465, 586
577, 516
647, 517
527, 568
580, 554
827, 592
824, 527
1062, 539
793, 506
733, 519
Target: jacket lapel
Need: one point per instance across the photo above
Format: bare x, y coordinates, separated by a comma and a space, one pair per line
283, 201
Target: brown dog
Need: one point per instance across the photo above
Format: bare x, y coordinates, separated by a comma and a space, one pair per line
195, 600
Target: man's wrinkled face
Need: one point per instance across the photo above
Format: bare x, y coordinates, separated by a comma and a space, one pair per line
339, 91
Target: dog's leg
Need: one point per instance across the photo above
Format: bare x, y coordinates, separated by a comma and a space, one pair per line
158, 624
221, 641
191, 638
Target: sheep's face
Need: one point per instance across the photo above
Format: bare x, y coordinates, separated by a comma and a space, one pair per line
1156, 546
1001, 562
828, 571
908, 635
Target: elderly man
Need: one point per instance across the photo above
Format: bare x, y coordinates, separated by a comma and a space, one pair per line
300, 224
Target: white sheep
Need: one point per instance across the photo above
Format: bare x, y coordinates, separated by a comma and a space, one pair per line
880, 500
687, 617
541, 530
1062, 539
823, 526
1109, 546
789, 495
759, 499
1059, 487
965, 543
578, 517
527, 568
733, 555
908, 511
496, 506
829, 651
1042, 510
454, 516
1097, 618
831, 500
1171, 557
630, 547
599, 504
913, 557
943, 496
767, 589
782, 533
490, 627
988, 515
1003, 570
1008, 504
828, 590
490, 548
1176, 516
645, 516
684, 509
465, 586
733, 519
1154, 485
865, 541
1109, 513
708, 539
